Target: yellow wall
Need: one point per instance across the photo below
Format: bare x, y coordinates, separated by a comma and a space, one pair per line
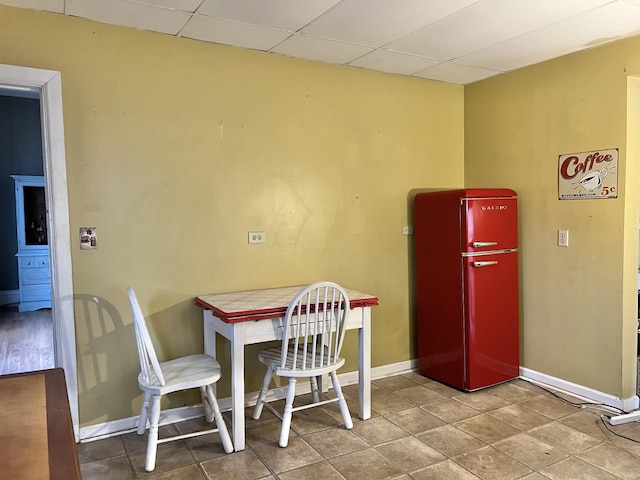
176, 149
578, 303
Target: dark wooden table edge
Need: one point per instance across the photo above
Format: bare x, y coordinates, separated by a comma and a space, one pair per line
63, 452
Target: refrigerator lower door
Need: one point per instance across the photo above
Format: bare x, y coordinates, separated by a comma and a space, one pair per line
491, 319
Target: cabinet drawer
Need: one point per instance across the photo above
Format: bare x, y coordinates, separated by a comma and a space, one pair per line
39, 261
35, 276
31, 293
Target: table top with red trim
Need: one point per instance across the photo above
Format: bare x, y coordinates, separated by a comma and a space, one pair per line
248, 305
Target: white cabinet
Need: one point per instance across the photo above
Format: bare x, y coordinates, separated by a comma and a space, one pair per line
33, 249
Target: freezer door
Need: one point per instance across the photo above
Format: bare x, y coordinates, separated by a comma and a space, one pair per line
491, 319
489, 224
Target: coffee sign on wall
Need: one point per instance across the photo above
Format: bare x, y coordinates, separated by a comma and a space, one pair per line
588, 175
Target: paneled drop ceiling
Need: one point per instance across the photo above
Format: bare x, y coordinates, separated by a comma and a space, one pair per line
456, 41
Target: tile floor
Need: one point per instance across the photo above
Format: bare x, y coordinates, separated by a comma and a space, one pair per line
420, 430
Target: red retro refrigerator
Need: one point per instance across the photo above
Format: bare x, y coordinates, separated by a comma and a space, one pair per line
466, 253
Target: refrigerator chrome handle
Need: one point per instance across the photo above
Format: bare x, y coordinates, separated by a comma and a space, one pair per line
484, 244
485, 264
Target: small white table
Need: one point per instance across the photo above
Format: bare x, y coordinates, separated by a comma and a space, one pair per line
257, 316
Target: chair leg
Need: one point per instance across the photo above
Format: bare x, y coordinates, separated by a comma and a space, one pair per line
144, 414
315, 393
206, 405
344, 408
288, 413
152, 442
222, 427
257, 411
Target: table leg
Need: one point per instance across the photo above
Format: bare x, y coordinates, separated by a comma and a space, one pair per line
323, 383
210, 343
237, 386
364, 364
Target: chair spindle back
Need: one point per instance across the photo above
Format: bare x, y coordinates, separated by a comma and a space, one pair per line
149, 365
315, 325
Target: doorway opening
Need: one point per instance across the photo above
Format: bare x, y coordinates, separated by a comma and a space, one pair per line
47, 84
26, 324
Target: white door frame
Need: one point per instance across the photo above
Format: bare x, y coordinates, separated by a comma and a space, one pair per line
48, 84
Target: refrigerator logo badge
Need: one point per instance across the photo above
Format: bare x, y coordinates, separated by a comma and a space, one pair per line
494, 207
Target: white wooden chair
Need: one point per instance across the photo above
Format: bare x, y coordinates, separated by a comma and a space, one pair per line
312, 338
157, 379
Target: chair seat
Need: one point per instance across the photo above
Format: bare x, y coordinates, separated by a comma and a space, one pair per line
271, 357
192, 371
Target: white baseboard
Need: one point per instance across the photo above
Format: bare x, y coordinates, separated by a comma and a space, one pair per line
127, 425
8, 297
586, 393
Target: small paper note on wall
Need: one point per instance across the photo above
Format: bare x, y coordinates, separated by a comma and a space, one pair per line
588, 175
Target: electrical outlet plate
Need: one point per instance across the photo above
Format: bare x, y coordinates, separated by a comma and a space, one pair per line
257, 237
563, 238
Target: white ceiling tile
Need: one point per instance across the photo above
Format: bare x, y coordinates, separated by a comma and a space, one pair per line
312, 48
587, 30
486, 23
448, 72
56, 6
284, 14
471, 39
121, 12
184, 5
212, 29
393, 62
377, 22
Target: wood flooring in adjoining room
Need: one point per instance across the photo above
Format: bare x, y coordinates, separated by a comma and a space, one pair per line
26, 340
